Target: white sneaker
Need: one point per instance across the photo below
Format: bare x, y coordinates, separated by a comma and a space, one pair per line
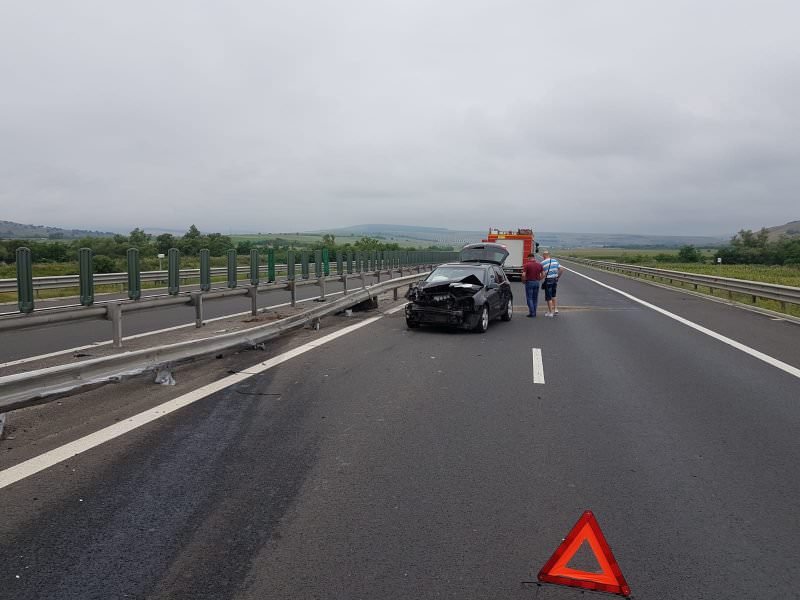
548, 314
556, 312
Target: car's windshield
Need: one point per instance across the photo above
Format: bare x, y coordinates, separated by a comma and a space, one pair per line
451, 273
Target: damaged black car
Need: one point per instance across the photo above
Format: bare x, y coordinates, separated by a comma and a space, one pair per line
467, 294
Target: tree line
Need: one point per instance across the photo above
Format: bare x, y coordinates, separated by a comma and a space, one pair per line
110, 252
750, 248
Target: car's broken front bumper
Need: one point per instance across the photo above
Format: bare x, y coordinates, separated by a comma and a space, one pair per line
429, 315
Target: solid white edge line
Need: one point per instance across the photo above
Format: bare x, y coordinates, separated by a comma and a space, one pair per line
55, 456
779, 364
391, 311
538, 366
136, 336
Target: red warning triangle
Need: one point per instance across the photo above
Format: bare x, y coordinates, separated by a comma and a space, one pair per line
610, 578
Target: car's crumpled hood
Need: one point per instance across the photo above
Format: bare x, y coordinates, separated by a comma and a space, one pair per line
469, 284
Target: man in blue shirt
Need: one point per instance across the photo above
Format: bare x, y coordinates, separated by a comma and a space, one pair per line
552, 271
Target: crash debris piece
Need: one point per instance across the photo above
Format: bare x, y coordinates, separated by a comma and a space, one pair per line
164, 377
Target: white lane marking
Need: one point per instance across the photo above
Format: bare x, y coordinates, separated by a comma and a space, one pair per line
538, 366
391, 311
55, 456
779, 364
21, 361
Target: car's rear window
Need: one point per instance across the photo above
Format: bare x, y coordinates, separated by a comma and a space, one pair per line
454, 273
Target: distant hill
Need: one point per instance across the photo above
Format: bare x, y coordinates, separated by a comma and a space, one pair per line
15, 231
792, 229
626, 240
443, 236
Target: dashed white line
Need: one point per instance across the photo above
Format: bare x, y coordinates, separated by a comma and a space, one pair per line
779, 364
538, 366
55, 456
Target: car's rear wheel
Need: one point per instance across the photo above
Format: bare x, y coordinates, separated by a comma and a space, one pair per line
509, 312
483, 321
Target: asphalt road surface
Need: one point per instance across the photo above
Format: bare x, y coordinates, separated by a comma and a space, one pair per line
395, 463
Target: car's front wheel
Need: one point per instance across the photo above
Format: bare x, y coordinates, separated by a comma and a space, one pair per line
483, 320
509, 312
411, 324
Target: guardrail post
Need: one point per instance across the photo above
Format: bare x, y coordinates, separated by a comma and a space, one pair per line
174, 274
24, 280
233, 277
197, 301
252, 292
350, 263
254, 267
205, 270
114, 314
326, 263
86, 276
271, 265
134, 275
317, 263
339, 263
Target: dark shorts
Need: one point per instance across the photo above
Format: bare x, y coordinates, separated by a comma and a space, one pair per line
550, 288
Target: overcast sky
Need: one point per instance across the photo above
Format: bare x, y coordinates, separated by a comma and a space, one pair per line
679, 117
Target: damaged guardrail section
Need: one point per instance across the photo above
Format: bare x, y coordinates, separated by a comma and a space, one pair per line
35, 387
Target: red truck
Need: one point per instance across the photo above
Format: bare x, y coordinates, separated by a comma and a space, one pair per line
519, 244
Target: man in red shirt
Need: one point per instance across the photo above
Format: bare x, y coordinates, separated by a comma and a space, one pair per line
532, 275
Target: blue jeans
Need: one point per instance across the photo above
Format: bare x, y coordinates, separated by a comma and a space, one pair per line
532, 296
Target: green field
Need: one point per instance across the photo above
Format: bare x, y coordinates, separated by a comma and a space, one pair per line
312, 238
626, 254
781, 275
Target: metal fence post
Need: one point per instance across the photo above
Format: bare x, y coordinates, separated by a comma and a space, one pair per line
350, 263
134, 275
290, 265
339, 263
233, 276
86, 276
326, 263
24, 280
271, 265
205, 270
174, 275
304, 264
254, 266
317, 263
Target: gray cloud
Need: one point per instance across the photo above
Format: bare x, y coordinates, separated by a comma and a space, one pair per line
655, 117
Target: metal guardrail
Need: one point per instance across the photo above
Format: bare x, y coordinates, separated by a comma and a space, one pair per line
52, 282
35, 387
113, 310
784, 294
